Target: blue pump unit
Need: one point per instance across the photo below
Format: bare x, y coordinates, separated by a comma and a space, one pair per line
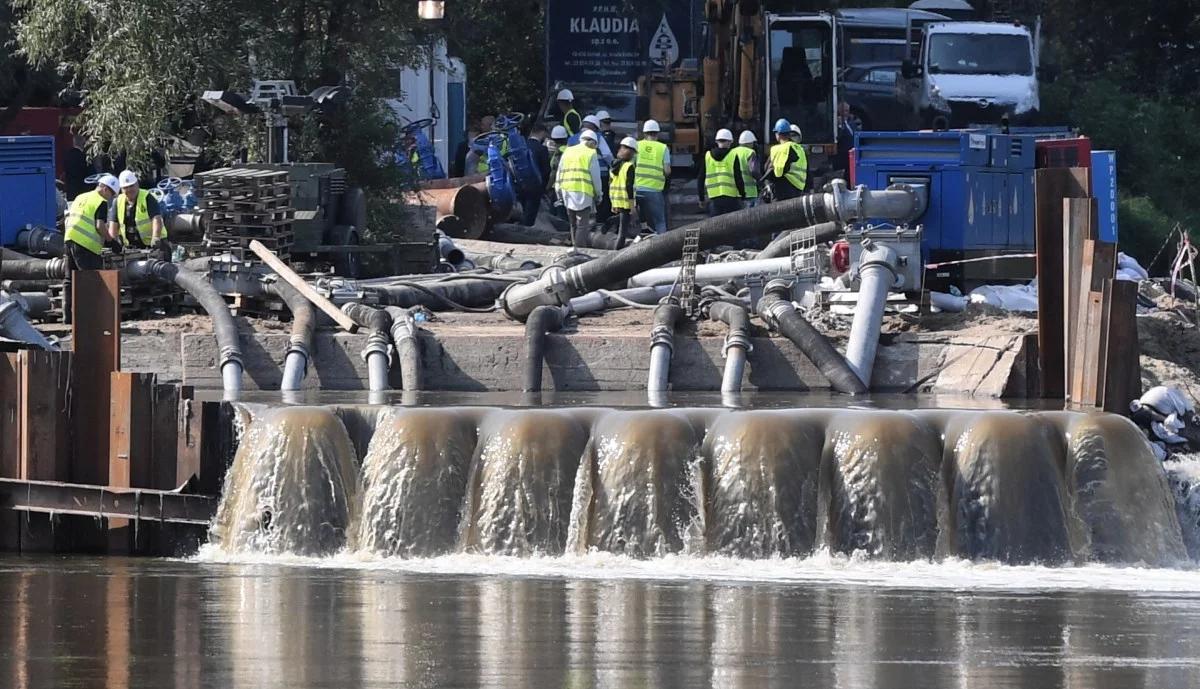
981, 198
429, 167
499, 184
527, 177
27, 192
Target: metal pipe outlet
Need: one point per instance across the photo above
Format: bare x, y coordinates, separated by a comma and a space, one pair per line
378, 350
737, 341
662, 344
877, 275
304, 325
408, 348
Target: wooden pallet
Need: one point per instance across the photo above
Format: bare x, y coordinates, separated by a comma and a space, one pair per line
239, 202
264, 219
272, 241
240, 178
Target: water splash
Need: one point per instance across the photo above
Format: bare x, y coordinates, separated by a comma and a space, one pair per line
1183, 477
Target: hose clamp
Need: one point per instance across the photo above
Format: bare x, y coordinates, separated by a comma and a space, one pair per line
662, 335
377, 343
737, 338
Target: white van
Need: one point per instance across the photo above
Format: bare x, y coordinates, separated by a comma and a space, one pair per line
972, 73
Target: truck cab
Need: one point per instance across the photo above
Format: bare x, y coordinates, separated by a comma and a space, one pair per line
971, 72
803, 81
620, 100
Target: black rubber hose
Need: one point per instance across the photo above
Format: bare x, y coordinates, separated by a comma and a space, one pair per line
459, 295
736, 316
195, 284
304, 326
725, 229
33, 269
25, 285
782, 245
777, 310
543, 320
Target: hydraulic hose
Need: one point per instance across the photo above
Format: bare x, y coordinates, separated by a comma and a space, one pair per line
782, 245
737, 341
14, 325
378, 350
543, 320
408, 348
224, 327
662, 344
557, 286
467, 294
304, 325
777, 311
34, 269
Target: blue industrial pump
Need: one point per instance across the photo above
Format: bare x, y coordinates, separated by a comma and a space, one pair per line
430, 166
26, 187
525, 172
499, 183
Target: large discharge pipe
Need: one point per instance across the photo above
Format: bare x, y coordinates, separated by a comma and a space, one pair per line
662, 344
557, 286
300, 343
408, 348
34, 269
378, 351
543, 320
737, 341
777, 311
877, 274
224, 327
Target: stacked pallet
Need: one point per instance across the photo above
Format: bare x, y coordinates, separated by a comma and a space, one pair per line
242, 205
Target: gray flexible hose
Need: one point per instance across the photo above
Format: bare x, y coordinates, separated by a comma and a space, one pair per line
737, 341
662, 344
543, 320
777, 311
408, 348
378, 350
300, 343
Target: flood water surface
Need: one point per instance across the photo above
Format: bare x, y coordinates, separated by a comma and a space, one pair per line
466, 621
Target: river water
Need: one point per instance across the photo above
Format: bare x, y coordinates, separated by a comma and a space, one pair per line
591, 621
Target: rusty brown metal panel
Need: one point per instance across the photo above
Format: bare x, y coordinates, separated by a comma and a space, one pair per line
96, 345
45, 417
1051, 186
190, 425
131, 430
164, 437
49, 497
10, 425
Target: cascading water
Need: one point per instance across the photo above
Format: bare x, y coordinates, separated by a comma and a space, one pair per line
1011, 487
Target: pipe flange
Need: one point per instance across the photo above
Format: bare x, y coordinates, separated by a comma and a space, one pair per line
737, 339
377, 343
662, 335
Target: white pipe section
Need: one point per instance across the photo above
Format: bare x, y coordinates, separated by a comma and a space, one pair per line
660, 368
599, 301
877, 274
716, 272
735, 366
231, 379
295, 364
377, 371
948, 302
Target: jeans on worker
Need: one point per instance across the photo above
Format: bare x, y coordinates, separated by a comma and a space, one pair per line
652, 208
530, 204
722, 205
581, 225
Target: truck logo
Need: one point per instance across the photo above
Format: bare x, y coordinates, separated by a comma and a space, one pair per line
664, 47
604, 25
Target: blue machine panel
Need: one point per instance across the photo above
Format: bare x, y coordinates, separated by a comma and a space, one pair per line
955, 147
1104, 190
27, 194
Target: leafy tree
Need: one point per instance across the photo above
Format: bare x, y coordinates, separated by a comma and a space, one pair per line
502, 44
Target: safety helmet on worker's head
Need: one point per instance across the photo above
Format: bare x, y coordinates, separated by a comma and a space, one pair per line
110, 182
559, 132
724, 135
796, 132
782, 126
588, 135
747, 137
651, 127
603, 116
128, 178
592, 120
566, 94
629, 142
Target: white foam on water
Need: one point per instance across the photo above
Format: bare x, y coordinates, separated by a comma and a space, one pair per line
821, 568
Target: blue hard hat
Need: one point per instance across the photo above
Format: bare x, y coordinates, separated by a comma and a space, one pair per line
782, 126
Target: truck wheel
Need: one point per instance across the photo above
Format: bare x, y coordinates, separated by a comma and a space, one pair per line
346, 264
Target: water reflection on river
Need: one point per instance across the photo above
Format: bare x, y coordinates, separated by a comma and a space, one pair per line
133, 623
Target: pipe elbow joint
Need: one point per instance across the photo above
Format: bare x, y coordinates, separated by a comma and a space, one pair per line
551, 289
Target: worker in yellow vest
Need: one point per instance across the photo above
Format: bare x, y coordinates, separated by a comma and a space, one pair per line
620, 188
579, 187
722, 180
87, 229
570, 116
651, 173
135, 219
788, 164
748, 158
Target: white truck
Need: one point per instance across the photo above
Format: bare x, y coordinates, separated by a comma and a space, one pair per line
963, 73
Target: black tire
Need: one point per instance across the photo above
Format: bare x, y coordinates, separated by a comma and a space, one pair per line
352, 211
346, 264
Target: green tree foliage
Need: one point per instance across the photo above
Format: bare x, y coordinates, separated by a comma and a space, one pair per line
502, 43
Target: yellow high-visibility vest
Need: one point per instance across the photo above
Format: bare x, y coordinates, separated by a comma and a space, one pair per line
649, 173
797, 174
81, 222
575, 169
618, 190
141, 217
749, 181
718, 176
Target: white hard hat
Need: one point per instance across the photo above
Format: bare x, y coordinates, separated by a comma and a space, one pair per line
796, 131
747, 137
603, 115
110, 182
128, 178
650, 127
559, 132
592, 120
629, 142
566, 94
724, 135
587, 135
